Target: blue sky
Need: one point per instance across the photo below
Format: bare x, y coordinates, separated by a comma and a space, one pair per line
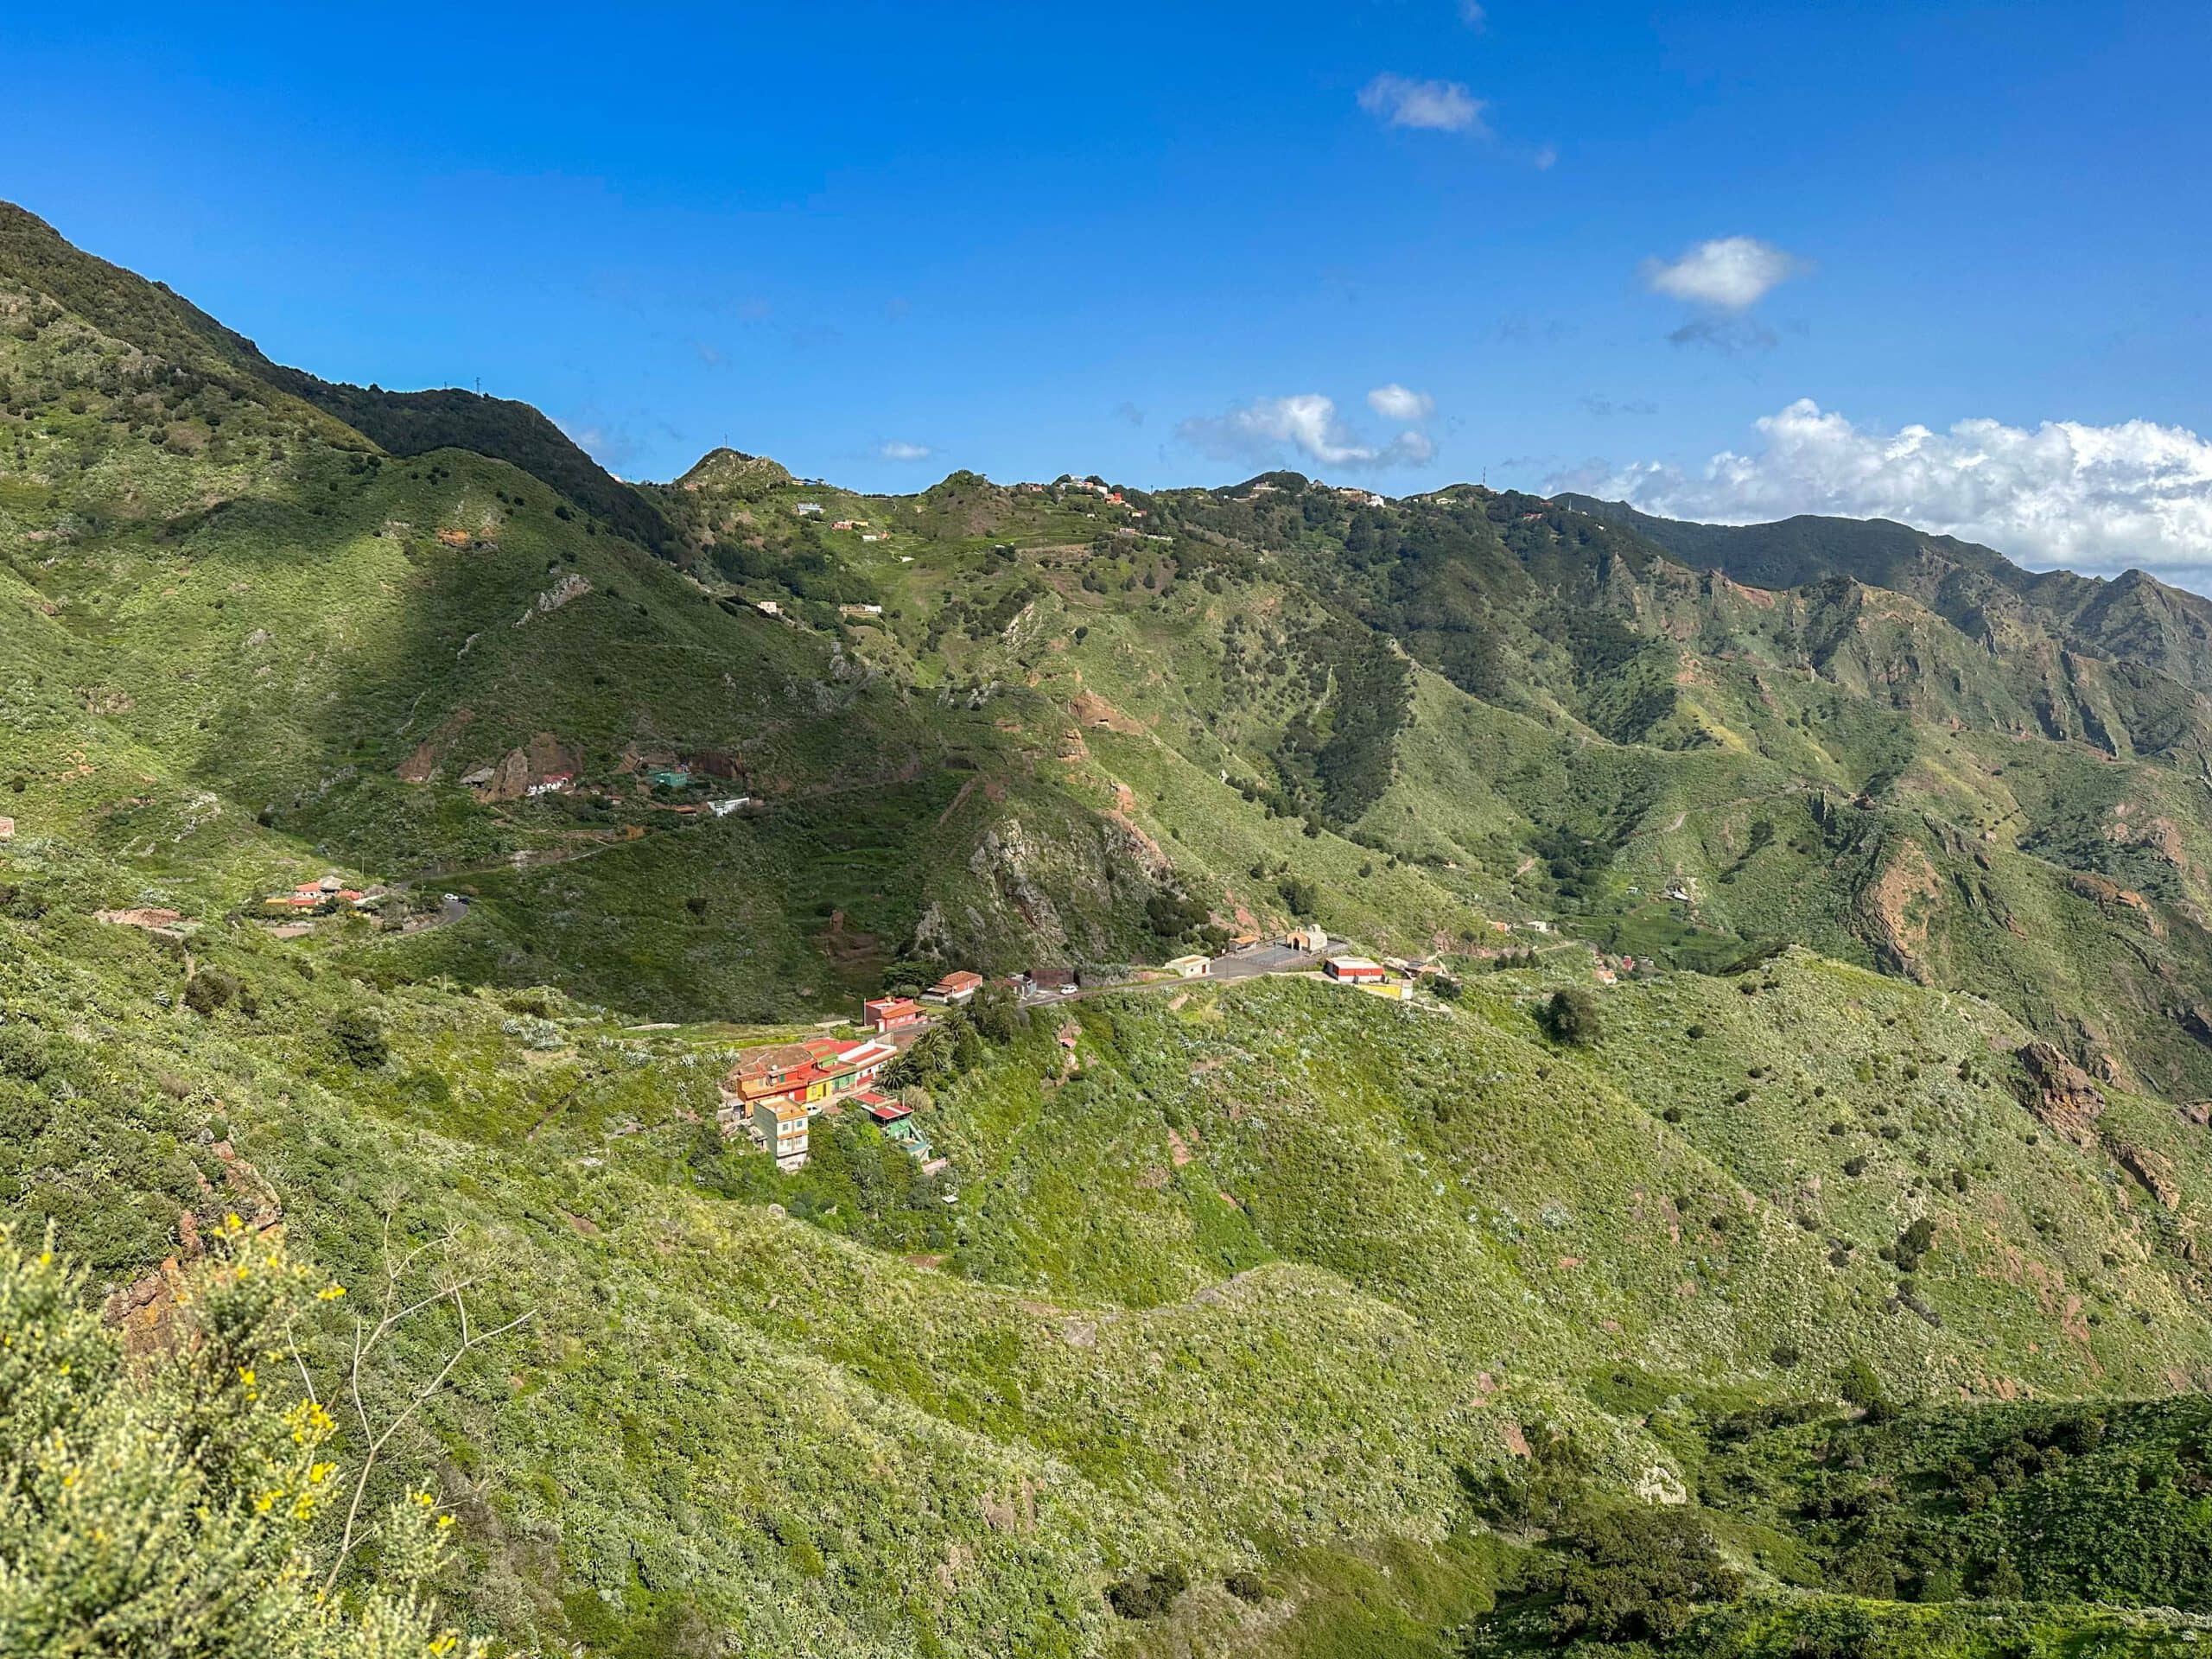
1597, 243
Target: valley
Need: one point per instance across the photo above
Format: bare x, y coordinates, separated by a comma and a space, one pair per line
1770, 1221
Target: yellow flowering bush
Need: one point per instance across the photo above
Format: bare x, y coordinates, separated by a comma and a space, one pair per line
168, 1504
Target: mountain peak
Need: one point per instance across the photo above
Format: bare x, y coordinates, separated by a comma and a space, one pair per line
724, 468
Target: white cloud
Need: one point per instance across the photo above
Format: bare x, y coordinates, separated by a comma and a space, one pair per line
1397, 403
2092, 498
1304, 426
1730, 273
897, 449
1472, 15
1431, 105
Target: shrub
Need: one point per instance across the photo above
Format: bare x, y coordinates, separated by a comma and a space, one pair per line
182, 1500
211, 991
1147, 1595
1245, 1586
1860, 1385
1913, 1244
358, 1035
1639, 1575
22, 1052
1570, 1017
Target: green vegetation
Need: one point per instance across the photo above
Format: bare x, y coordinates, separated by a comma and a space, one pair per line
185, 1503
1826, 1281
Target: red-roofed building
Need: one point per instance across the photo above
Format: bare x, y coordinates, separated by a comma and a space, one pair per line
1355, 971
882, 1108
955, 988
889, 1012
812, 1074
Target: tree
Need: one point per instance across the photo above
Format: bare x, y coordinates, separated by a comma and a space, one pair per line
180, 1500
998, 1013
1639, 1574
1571, 1017
359, 1037
1860, 1385
1302, 897
940, 1055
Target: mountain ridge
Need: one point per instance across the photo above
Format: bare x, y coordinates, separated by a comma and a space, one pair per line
1809, 1095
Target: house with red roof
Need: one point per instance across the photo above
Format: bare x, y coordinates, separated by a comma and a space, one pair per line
815, 1075
882, 1108
955, 989
890, 1013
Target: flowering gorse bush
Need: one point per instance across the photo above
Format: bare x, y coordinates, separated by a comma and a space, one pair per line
171, 1504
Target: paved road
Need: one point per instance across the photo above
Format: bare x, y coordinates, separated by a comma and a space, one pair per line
1249, 964
1266, 959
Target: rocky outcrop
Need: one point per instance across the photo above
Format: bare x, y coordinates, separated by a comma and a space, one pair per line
1896, 909
145, 1310
571, 586
509, 778
2064, 1098
421, 766
2151, 1171
1006, 859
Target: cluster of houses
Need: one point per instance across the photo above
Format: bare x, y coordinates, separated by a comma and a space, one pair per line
774, 1094
957, 989
1110, 496
320, 898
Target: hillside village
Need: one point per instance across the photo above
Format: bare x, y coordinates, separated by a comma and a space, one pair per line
635, 877
773, 1093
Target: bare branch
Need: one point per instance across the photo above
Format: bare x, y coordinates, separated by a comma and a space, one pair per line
367, 1338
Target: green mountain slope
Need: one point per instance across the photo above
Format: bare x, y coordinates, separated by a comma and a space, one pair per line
1255, 1319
